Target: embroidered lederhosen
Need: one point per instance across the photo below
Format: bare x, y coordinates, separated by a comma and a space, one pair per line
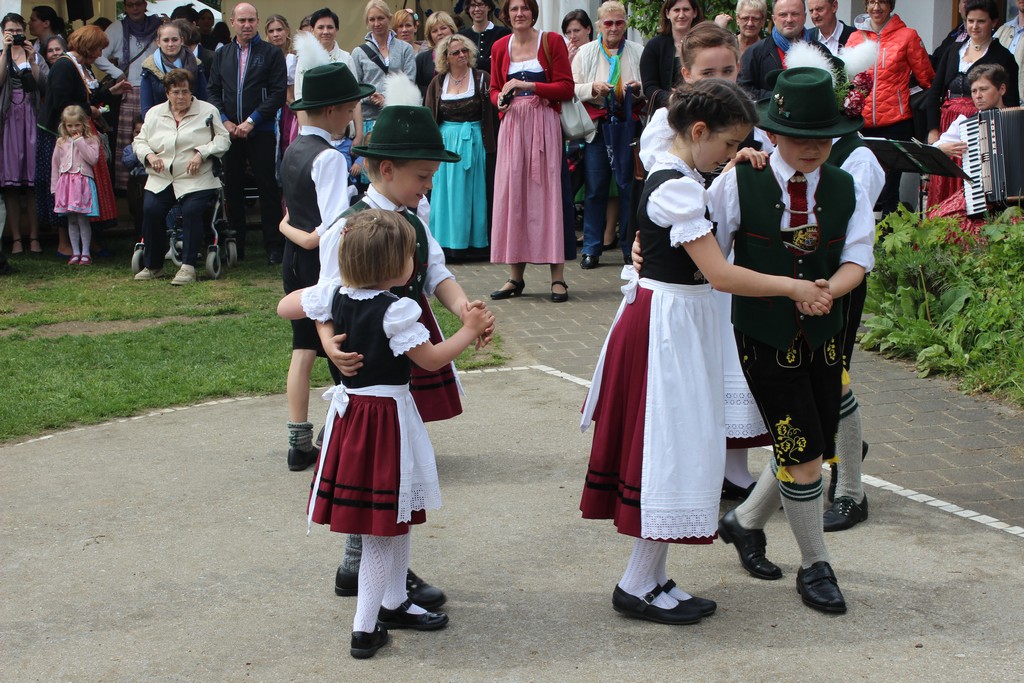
793, 363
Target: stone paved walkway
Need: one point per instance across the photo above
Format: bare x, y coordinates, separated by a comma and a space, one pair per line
924, 435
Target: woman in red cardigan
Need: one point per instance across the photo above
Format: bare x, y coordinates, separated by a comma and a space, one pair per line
530, 77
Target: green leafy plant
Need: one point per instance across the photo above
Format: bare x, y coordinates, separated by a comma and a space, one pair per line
643, 14
950, 300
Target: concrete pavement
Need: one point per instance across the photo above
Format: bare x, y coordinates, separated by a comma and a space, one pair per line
172, 546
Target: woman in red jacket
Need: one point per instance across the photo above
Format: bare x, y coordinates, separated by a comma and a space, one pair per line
530, 77
901, 53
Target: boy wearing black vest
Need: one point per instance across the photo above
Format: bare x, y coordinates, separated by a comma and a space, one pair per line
314, 179
801, 218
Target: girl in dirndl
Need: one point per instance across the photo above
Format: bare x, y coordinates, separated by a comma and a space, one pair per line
657, 397
72, 180
376, 475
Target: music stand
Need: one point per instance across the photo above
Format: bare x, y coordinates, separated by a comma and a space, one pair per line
913, 156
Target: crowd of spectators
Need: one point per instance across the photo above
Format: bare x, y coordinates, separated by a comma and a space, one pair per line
462, 66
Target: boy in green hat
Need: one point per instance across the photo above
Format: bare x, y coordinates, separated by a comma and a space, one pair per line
401, 157
314, 178
802, 218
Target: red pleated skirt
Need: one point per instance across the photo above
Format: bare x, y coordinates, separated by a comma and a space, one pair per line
436, 392
358, 492
614, 475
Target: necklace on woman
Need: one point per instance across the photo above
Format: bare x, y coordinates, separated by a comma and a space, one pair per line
458, 81
979, 48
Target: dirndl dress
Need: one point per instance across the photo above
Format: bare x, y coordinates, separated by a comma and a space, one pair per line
657, 397
76, 193
18, 156
376, 473
941, 187
459, 198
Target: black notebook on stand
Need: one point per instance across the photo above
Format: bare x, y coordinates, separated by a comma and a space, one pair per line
912, 156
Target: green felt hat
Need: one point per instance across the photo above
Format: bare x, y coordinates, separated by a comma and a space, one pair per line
803, 105
330, 84
405, 132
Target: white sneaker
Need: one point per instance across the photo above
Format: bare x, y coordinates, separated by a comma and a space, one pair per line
147, 274
186, 275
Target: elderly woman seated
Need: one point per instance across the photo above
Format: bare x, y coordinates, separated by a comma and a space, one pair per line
178, 141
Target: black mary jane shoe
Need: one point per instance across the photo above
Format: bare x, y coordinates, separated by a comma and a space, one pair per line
365, 645
731, 491
517, 290
750, 545
559, 297
703, 605
400, 618
641, 608
819, 589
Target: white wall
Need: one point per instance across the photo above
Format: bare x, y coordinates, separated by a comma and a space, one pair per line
929, 19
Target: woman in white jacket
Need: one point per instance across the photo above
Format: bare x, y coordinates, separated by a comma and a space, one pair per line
604, 69
177, 143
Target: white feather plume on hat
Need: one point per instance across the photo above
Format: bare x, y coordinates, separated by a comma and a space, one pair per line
805, 54
309, 51
859, 58
398, 89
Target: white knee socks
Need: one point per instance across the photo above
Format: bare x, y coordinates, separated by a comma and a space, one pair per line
382, 572
641, 576
848, 448
736, 469
80, 233
763, 501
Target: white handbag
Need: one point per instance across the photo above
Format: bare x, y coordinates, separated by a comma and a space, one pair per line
576, 121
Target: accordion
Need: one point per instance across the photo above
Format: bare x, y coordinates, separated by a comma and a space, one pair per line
994, 140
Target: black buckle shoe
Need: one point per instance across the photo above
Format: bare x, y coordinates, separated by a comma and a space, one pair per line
731, 491
819, 589
845, 513
641, 608
750, 545
589, 261
365, 645
400, 618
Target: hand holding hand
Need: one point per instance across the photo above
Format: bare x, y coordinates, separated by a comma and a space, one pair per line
485, 338
813, 298
477, 318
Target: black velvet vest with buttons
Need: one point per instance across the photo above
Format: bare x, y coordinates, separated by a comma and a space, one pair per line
297, 181
662, 261
759, 246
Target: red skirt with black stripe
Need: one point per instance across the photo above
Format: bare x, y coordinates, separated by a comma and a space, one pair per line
436, 393
612, 488
358, 491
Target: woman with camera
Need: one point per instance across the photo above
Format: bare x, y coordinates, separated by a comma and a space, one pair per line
21, 69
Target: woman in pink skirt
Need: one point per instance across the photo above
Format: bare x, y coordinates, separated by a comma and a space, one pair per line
530, 77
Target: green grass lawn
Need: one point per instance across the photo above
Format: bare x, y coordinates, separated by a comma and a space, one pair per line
80, 345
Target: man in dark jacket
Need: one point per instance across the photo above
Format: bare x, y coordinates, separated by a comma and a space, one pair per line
248, 81
789, 17
828, 29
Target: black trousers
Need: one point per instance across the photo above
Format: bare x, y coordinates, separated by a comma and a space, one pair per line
259, 150
797, 391
154, 224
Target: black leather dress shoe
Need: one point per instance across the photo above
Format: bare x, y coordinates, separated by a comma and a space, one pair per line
346, 584
399, 618
750, 545
365, 645
299, 459
819, 589
845, 513
641, 608
703, 605
590, 261
274, 258
422, 593
731, 491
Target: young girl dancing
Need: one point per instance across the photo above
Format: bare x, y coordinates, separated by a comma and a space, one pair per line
377, 474
72, 180
658, 453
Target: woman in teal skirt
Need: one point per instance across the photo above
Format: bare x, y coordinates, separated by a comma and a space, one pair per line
460, 203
